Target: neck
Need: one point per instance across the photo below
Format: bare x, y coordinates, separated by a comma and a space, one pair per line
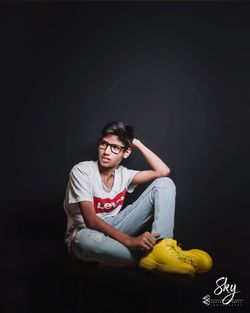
106, 171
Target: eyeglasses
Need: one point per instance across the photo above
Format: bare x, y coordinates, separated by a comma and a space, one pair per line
114, 148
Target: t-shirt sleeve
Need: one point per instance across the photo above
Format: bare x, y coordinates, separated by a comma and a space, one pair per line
131, 174
79, 186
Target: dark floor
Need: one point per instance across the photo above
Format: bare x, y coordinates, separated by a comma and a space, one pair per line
50, 281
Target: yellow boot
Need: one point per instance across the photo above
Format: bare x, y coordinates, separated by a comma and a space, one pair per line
205, 262
165, 257
201, 260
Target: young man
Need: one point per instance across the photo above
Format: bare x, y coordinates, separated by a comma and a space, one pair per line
141, 233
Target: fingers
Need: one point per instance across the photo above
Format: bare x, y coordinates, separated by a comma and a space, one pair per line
156, 235
147, 244
149, 240
146, 247
146, 241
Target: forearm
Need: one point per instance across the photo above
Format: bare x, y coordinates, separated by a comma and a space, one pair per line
151, 158
145, 240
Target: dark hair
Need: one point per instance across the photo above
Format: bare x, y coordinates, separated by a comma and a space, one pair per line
123, 131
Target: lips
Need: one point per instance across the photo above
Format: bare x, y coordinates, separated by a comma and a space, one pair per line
104, 159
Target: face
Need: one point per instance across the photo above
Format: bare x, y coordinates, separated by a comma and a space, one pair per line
107, 157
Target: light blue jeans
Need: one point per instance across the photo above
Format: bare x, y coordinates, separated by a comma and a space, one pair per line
154, 211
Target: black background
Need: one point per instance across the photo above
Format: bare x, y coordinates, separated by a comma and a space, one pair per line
179, 73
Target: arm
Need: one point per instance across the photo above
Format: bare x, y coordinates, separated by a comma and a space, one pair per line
158, 167
145, 241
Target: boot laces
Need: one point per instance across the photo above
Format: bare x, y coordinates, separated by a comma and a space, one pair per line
177, 251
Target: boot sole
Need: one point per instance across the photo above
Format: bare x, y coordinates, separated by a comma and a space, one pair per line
154, 266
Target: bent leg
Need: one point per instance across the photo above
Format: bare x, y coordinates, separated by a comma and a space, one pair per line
91, 245
156, 205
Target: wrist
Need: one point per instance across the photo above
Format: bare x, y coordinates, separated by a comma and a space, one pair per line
126, 240
136, 142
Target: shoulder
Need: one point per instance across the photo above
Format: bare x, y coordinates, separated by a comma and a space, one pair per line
124, 170
85, 167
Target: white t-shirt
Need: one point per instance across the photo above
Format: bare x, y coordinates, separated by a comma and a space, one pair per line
85, 184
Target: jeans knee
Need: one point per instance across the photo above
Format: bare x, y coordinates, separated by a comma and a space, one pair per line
90, 240
164, 182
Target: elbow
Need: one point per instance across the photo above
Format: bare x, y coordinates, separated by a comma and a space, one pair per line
165, 173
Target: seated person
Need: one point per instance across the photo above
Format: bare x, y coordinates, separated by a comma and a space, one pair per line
142, 232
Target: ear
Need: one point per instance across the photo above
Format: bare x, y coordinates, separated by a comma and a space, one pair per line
127, 153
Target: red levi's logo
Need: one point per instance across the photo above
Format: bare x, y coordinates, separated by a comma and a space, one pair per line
107, 205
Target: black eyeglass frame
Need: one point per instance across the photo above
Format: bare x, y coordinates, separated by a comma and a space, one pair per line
112, 146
